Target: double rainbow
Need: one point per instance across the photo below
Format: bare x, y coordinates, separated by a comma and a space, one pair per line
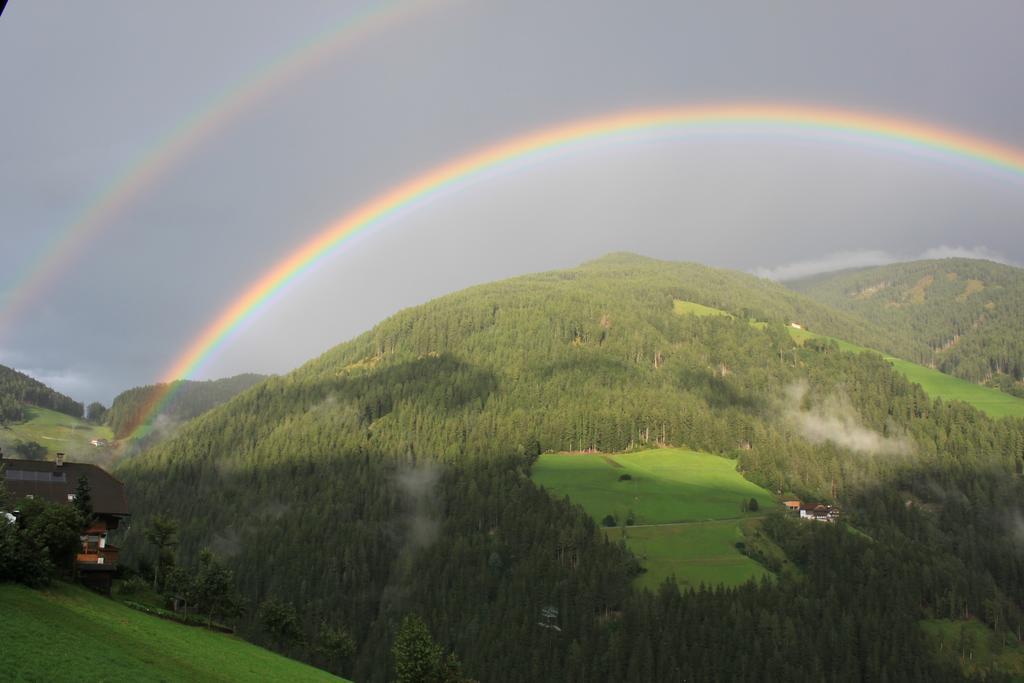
167, 152
904, 135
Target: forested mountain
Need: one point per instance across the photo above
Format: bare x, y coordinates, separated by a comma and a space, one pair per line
963, 316
17, 389
188, 399
390, 476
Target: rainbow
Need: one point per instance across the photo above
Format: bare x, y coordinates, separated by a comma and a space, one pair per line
813, 122
152, 165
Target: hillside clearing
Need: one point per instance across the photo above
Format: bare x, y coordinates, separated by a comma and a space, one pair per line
692, 552
687, 507
58, 433
937, 384
67, 633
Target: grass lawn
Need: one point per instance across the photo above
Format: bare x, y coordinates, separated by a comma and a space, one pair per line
67, 633
60, 434
666, 486
697, 553
681, 307
976, 648
938, 384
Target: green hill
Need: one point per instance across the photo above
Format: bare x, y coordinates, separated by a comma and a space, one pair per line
391, 476
962, 316
18, 390
938, 384
189, 399
43, 432
36, 422
687, 511
67, 633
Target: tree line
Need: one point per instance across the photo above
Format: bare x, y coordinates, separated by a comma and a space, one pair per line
18, 389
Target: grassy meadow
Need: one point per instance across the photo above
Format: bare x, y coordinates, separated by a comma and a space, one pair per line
67, 633
59, 433
694, 553
690, 308
938, 384
696, 497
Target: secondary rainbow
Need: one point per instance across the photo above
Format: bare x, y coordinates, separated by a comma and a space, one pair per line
155, 162
846, 126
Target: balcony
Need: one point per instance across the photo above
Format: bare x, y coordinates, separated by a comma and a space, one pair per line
97, 558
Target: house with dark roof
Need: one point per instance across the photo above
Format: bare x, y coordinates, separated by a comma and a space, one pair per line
56, 482
818, 512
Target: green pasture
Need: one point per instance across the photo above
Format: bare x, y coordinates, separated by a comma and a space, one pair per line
698, 497
694, 553
689, 307
59, 433
666, 485
938, 384
67, 633
680, 307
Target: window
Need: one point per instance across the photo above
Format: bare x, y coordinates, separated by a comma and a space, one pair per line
71, 497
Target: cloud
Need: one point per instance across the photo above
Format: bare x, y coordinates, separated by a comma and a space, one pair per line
946, 251
68, 382
835, 420
862, 258
839, 260
419, 484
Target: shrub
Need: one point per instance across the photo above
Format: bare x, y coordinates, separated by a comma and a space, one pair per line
131, 586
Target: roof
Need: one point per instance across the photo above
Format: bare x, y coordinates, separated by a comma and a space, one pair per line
44, 479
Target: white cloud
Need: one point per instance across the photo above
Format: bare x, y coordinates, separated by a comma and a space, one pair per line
836, 420
835, 261
841, 260
946, 251
67, 382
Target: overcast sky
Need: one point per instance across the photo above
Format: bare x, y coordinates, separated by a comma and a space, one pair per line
87, 88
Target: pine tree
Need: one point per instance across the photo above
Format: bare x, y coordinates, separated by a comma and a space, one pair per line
417, 657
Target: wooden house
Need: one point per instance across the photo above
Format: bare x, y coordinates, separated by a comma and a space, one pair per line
56, 482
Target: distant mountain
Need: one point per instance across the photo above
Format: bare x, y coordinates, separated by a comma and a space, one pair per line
18, 389
391, 476
189, 399
962, 316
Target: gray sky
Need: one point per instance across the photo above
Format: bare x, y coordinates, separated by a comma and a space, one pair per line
86, 88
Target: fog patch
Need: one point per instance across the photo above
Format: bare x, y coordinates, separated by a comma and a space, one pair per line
418, 486
226, 544
836, 421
